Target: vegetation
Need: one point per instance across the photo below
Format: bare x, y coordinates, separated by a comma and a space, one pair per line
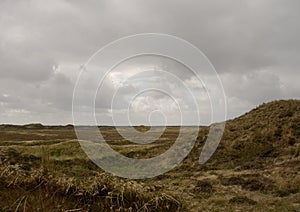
255, 168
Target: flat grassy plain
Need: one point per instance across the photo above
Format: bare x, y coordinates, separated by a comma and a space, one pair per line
255, 168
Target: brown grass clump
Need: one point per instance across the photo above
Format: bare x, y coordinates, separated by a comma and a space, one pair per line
40, 190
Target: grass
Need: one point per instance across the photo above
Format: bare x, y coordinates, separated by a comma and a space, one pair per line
255, 168
40, 190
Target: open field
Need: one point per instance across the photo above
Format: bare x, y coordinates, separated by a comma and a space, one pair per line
255, 168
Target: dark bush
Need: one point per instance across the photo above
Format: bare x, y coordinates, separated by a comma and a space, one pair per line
242, 200
203, 186
227, 181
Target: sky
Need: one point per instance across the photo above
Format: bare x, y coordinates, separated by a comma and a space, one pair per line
254, 47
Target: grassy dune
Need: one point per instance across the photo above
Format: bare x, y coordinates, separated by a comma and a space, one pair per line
255, 168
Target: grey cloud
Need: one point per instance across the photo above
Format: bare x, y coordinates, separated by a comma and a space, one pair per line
248, 86
254, 45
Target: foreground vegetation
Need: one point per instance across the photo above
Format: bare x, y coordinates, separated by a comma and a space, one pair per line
255, 168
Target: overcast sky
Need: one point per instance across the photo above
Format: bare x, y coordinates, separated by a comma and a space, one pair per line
253, 45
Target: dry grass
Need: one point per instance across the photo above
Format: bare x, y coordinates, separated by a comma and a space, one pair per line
255, 168
41, 190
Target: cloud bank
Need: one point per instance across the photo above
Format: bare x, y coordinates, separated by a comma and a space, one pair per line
254, 46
